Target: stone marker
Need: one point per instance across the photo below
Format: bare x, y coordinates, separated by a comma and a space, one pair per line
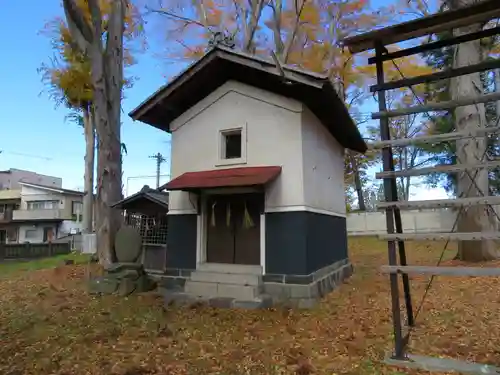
128, 245
127, 275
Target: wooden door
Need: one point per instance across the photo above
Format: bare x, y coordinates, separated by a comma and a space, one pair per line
231, 238
247, 232
48, 234
220, 229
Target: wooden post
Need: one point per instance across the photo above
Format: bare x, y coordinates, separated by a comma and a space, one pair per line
393, 218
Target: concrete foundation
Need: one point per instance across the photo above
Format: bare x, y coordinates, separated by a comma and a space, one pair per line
219, 287
305, 291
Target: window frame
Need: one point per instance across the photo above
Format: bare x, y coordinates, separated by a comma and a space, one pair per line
54, 203
73, 204
26, 231
221, 146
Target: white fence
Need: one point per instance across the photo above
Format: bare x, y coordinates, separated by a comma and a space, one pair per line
373, 223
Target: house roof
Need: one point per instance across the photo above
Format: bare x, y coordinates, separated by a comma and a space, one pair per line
155, 196
220, 65
435, 23
219, 178
52, 188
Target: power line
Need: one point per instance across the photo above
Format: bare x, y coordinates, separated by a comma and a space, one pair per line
140, 177
25, 155
159, 160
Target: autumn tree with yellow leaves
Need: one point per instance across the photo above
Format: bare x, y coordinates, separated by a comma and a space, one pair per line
87, 76
70, 84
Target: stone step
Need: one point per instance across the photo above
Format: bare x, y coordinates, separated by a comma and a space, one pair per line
230, 268
208, 289
226, 278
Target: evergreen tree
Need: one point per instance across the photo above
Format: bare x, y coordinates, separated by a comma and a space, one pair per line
444, 122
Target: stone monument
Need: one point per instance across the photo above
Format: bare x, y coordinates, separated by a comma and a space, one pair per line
127, 275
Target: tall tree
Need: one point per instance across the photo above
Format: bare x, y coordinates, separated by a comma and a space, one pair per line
467, 151
475, 219
70, 83
99, 37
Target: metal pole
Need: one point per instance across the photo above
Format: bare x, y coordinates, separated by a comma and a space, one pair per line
158, 164
159, 159
390, 195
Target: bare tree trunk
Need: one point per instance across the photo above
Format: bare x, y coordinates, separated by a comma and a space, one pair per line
88, 199
107, 79
358, 185
470, 151
252, 17
107, 70
357, 181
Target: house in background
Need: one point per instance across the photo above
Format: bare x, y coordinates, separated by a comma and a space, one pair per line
256, 203
9, 179
10, 200
40, 213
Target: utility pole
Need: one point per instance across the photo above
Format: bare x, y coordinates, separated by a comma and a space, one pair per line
159, 160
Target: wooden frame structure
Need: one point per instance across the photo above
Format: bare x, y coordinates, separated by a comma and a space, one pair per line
378, 40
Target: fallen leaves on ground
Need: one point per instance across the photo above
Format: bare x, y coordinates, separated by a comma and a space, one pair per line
50, 325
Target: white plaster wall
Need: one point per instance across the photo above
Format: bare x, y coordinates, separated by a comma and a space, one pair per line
373, 223
273, 135
323, 167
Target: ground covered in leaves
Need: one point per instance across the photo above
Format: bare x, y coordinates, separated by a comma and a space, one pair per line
50, 325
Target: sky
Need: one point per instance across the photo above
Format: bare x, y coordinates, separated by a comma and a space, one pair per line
35, 134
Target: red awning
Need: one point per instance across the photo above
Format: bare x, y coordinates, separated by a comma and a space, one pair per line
232, 177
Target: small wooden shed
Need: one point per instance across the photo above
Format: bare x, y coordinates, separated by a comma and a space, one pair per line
147, 211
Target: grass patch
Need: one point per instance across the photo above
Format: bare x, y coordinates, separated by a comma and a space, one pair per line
14, 266
50, 325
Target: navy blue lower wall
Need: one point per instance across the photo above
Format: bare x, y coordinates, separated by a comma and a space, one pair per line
302, 242
181, 241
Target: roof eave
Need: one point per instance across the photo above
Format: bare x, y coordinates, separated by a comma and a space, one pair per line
136, 196
250, 61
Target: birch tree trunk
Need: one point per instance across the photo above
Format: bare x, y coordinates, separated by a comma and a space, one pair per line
470, 151
88, 198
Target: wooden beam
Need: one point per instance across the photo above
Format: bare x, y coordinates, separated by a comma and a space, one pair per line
433, 364
435, 23
443, 168
444, 106
436, 45
437, 138
445, 271
440, 203
450, 73
452, 236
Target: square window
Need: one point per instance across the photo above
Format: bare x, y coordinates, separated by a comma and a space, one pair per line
30, 234
232, 144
